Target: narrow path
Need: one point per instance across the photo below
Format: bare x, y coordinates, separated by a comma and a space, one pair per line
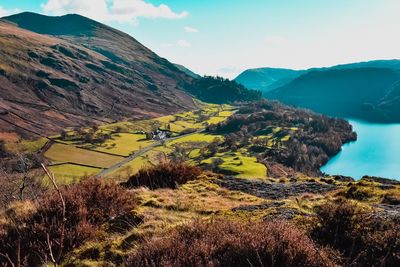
142, 152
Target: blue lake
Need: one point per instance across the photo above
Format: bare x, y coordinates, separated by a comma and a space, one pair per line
375, 153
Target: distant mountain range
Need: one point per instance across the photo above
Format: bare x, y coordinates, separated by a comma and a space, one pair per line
267, 79
366, 90
70, 70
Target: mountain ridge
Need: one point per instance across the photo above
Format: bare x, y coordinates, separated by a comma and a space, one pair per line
359, 93
263, 81
77, 79
363, 90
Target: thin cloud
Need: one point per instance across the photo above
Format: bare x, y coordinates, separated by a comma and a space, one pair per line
165, 45
191, 29
183, 43
5, 12
275, 40
230, 71
112, 10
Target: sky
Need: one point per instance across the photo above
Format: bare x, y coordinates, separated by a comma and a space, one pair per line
226, 37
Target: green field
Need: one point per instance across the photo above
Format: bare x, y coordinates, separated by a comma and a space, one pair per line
242, 166
132, 167
225, 113
122, 144
216, 120
195, 138
70, 173
125, 140
60, 153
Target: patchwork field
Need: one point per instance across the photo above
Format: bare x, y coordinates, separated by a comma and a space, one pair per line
122, 144
126, 138
61, 153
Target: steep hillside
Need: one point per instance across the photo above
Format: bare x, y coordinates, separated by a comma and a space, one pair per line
187, 71
267, 79
360, 93
391, 102
71, 71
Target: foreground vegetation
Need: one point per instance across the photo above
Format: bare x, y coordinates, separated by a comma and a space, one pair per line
191, 220
245, 191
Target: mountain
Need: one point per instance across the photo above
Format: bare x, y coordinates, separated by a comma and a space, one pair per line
187, 71
267, 79
386, 64
65, 71
366, 93
363, 90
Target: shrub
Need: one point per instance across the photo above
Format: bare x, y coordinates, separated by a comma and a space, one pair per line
166, 174
391, 199
363, 238
358, 192
224, 243
335, 224
3, 151
44, 236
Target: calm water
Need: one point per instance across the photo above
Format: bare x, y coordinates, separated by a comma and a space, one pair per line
375, 153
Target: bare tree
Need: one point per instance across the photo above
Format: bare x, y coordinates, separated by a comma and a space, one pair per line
56, 259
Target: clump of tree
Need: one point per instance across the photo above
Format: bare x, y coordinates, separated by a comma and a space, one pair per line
166, 174
220, 91
226, 243
19, 175
49, 228
315, 140
91, 135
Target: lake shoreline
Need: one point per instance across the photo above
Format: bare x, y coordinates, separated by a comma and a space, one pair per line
375, 153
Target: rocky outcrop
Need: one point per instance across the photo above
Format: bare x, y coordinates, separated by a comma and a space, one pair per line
274, 191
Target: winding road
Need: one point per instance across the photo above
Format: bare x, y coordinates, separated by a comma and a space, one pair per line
141, 152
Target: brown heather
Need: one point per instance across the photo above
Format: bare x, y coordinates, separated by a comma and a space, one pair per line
166, 174
363, 238
27, 239
230, 244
